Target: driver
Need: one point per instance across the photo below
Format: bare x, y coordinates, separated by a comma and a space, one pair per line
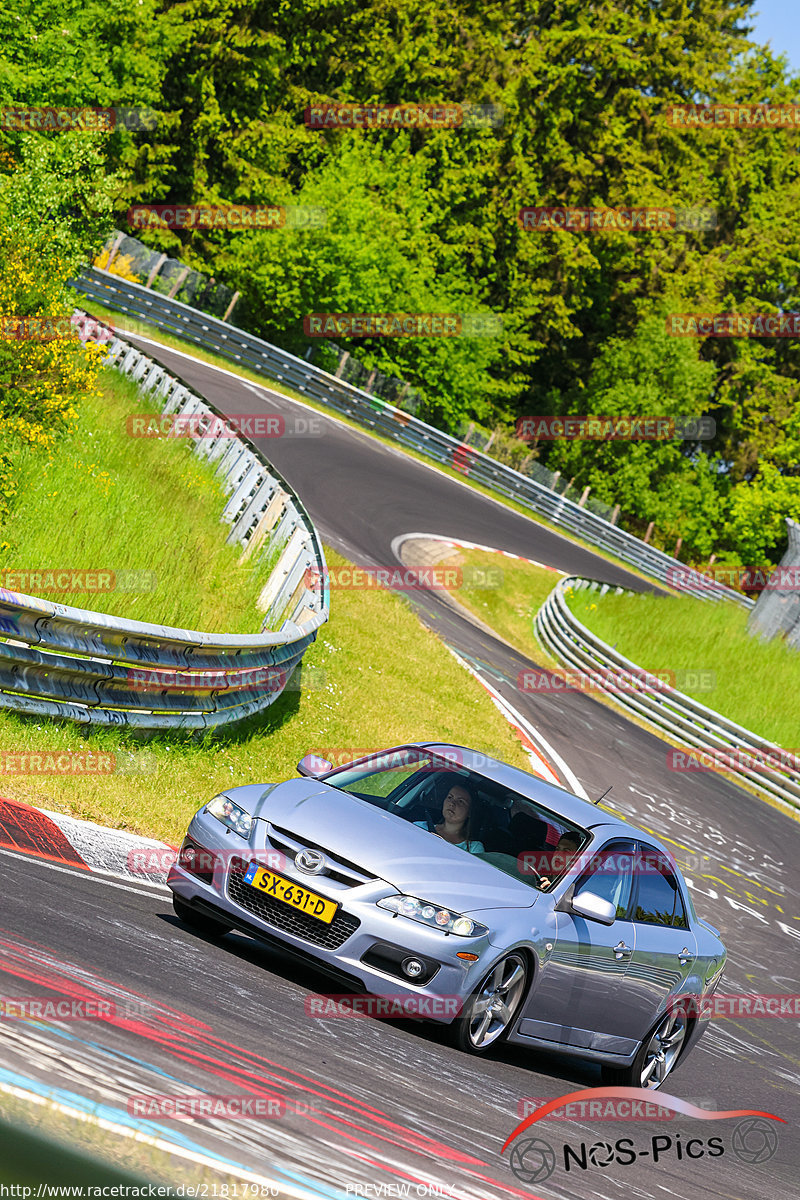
457, 810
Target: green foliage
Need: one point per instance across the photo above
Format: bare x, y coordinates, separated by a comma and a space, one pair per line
426, 221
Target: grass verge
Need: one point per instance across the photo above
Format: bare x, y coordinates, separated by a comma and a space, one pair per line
504, 593
745, 679
139, 1163
143, 513
705, 644
377, 678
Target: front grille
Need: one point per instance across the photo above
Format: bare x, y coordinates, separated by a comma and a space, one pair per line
339, 868
284, 917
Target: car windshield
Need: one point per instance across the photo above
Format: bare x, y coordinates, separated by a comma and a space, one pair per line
485, 819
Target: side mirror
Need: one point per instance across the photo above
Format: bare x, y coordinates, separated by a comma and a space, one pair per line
314, 766
594, 908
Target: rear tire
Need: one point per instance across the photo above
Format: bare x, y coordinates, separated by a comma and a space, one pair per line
658, 1056
198, 921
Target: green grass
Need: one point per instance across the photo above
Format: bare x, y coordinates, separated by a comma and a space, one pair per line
506, 594
105, 1151
755, 683
377, 678
104, 501
745, 679
134, 325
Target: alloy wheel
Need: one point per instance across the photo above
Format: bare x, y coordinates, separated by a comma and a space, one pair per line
663, 1050
495, 1003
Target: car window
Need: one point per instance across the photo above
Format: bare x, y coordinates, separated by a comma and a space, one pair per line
382, 774
609, 875
658, 898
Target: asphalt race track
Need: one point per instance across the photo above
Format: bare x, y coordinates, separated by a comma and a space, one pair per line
367, 1102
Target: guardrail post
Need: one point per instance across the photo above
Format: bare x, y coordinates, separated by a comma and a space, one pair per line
173, 291
230, 307
158, 265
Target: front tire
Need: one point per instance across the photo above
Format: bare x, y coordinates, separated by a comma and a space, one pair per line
198, 921
657, 1056
490, 1011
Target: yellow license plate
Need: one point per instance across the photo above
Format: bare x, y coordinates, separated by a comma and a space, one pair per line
291, 893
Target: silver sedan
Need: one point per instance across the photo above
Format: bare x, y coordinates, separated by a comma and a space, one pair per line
477, 894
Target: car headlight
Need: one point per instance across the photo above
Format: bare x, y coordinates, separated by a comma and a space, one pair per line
231, 815
431, 914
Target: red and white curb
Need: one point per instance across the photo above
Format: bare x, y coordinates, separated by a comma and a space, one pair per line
82, 846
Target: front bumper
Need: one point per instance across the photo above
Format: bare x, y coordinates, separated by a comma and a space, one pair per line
364, 945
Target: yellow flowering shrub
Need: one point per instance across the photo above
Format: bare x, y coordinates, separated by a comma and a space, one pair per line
121, 266
42, 377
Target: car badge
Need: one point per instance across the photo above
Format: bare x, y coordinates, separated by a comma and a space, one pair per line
310, 861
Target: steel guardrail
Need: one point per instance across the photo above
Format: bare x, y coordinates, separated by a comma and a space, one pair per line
92, 668
246, 349
664, 709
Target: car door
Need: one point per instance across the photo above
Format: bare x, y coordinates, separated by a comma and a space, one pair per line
575, 1001
665, 952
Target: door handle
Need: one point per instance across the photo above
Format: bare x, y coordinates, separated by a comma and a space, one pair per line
685, 956
622, 951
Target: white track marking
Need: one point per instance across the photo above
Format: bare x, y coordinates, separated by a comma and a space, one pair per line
124, 887
524, 724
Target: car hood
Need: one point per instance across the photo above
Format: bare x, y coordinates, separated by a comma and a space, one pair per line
406, 857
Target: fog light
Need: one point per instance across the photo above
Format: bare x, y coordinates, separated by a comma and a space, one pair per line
197, 860
413, 968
